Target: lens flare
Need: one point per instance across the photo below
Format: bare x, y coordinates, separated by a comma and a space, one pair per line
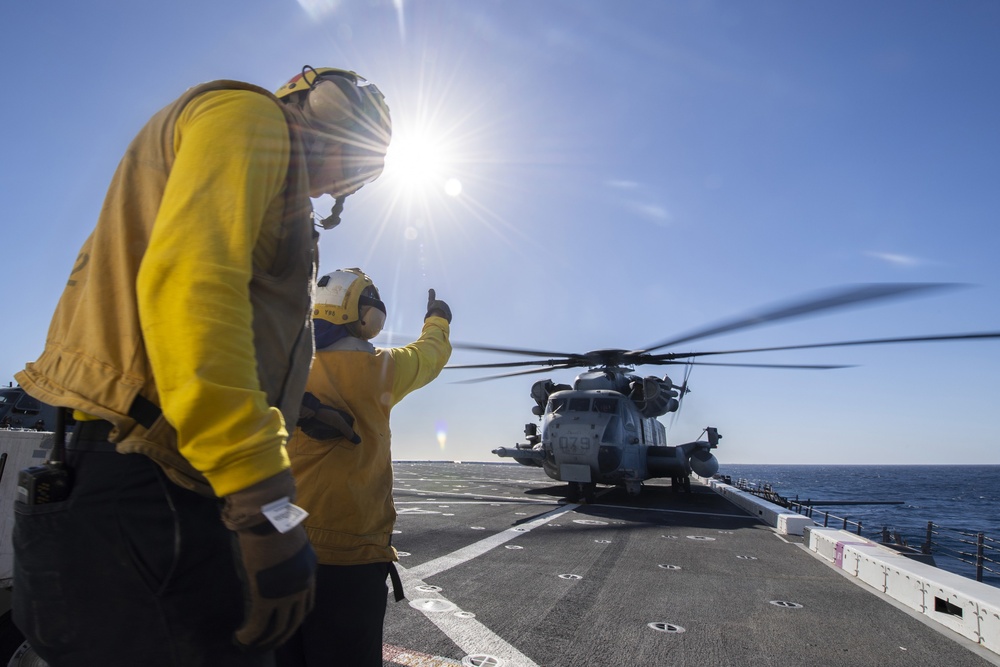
317, 9
442, 434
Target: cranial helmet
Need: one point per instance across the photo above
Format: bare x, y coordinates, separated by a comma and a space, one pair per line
349, 298
344, 108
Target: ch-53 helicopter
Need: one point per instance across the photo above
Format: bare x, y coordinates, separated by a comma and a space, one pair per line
604, 428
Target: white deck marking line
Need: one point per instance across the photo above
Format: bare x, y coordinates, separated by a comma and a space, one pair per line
438, 565
401, 656
470, 635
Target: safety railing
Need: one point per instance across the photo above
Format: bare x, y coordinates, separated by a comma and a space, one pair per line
808, 510
765, 491
974, 549
949, 541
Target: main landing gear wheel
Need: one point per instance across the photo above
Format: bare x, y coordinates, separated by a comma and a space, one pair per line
582, 491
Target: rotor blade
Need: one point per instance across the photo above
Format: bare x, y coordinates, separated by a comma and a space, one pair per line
507, 375
510, 364
676, 415
511, 350
667, 358
821, 367
837, 298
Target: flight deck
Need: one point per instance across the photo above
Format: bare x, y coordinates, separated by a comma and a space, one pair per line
500, 569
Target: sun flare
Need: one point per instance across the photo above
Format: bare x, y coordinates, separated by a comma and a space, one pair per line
440, 168
419, 163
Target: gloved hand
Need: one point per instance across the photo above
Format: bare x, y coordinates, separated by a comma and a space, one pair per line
279, 568
324, 422
437, 307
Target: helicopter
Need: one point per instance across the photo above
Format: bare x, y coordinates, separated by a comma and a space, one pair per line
603, 429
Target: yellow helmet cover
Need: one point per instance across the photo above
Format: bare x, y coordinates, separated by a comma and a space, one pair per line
303, 81
339, 294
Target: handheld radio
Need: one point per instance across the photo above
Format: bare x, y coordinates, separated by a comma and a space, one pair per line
50, 481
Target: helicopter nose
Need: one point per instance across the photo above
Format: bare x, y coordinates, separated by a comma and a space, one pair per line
574, 441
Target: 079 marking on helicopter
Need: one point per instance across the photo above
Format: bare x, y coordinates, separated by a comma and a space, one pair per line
573, 445
603, 429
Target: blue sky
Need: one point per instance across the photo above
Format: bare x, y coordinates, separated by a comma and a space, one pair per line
573, 175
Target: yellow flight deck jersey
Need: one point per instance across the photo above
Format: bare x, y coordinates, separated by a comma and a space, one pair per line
347, 488
194, 292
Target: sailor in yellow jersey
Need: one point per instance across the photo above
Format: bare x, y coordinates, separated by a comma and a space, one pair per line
342, 464
182, 343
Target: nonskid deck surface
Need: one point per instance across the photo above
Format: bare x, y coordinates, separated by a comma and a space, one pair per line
499, 569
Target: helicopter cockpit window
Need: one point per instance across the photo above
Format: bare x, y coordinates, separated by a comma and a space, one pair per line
612, 432
629, 421
608, 406
557, 405
579, 405
27, 404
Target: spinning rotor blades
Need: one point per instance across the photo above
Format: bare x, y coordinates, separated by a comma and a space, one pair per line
837, 298
842, 297
821, 367
543, 369
510, 350
670, 356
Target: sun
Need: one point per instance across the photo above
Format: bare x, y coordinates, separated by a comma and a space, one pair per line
440, 167
420, 163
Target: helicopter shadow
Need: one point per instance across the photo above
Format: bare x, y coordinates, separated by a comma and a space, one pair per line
653, 496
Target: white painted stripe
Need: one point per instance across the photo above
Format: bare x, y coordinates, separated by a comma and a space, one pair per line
408, 658
468, 634
438, 565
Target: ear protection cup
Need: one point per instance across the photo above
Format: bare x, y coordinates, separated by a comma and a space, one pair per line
343, 112
329, 103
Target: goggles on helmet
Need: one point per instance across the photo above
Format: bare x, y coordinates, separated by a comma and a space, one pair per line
370, 297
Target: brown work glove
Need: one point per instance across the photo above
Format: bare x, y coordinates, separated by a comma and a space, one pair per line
279, 569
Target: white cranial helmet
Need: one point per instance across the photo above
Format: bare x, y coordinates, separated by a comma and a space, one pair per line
349, 298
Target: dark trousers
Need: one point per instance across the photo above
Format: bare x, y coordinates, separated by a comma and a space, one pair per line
344, 629
131, 570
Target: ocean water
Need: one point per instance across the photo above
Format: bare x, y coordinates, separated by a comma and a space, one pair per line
956, 498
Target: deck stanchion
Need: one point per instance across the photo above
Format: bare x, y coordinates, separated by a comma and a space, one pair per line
979, 556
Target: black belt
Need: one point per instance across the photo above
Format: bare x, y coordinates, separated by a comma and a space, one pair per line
397, 584
92, 435
144, 411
